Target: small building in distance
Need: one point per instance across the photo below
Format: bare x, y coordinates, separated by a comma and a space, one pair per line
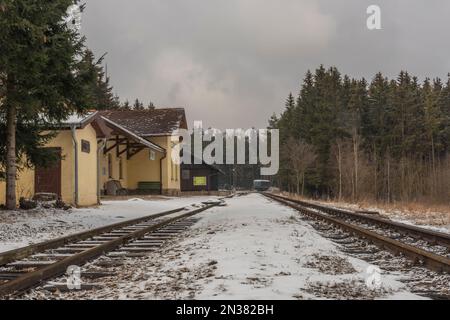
199, 178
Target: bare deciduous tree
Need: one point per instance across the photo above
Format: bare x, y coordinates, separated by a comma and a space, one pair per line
300, 156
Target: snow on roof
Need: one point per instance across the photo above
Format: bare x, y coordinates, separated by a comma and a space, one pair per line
78, 120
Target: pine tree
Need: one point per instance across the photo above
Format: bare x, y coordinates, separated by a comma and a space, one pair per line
138, 105
126, 106
101, 91
273, 122
374, 129
323, 116
41, 79
357, 103
305, 101
443, 128
389, 139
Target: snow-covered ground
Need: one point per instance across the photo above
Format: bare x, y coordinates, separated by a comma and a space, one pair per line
252, 248
21, 228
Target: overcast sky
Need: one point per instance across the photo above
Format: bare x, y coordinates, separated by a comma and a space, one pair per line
232, 63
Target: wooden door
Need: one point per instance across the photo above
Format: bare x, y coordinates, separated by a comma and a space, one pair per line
48, 179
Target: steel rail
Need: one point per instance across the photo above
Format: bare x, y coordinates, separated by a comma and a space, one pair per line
31, 279
430, 260
21, 253
429, 235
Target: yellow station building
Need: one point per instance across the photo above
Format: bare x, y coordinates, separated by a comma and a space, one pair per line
107, 152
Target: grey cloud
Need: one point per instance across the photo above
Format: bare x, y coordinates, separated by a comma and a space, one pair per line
232, 63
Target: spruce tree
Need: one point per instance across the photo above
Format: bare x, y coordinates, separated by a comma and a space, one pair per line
101, 91
389, 139
126, 106
42, 80
138, 105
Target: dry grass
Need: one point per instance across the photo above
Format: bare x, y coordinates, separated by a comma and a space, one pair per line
417, 212
420, 213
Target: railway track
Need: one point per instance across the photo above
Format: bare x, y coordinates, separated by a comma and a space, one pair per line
423, 247
32, 266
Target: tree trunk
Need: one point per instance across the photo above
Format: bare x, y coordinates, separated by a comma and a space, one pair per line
375, 158
356, 163
303, 185
340, 170
11, 167
389, 180
433, 159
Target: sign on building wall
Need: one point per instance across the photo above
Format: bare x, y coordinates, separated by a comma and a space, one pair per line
200, 181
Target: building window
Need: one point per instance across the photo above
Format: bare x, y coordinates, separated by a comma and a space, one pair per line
152, 155
176, 172
110, 166
85, 146
186, 174
120, 169
171, 170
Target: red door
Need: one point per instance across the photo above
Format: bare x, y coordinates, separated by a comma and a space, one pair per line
48, 180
